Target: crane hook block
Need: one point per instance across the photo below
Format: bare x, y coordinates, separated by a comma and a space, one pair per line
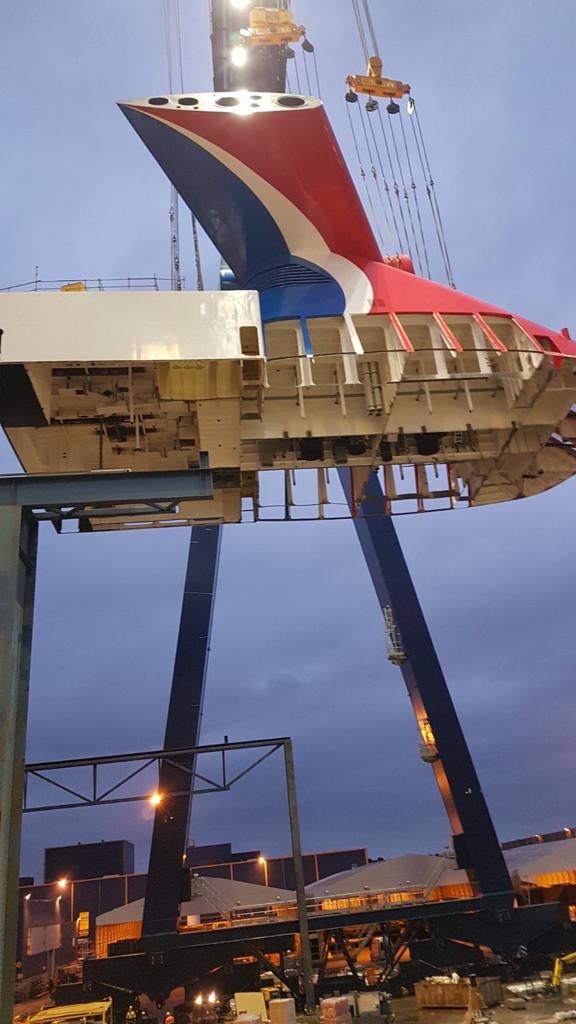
374, 84
272, 27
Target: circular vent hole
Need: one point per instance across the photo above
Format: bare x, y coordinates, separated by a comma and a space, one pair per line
291, 101
158, 101
228, 101
188, 101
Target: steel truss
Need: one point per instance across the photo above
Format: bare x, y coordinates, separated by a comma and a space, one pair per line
176, 758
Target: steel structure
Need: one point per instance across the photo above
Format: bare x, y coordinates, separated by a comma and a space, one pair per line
403, 372
182, 728
23, 501
474, 835
177, 783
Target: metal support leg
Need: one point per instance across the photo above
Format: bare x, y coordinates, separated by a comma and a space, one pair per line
475, 840
310, 998
164, 883
18, 547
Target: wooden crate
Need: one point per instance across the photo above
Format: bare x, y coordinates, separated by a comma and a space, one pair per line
431, 995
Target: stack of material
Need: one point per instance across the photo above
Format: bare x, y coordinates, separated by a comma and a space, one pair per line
282, 1011
445, 993
249, 1018
335, 1010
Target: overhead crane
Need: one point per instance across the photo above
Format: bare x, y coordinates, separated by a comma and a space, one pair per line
321, 352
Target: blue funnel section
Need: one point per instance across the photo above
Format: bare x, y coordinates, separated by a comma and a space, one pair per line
240, 226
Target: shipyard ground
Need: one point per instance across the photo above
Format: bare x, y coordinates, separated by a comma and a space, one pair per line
537, 1012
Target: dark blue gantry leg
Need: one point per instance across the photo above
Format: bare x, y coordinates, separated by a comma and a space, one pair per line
411, 648
163, 887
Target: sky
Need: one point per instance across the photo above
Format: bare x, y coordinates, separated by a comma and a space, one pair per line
298, 645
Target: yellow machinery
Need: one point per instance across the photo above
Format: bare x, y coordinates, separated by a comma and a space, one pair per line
373, 84
79, 1013
74, 286
272, 27
559, 964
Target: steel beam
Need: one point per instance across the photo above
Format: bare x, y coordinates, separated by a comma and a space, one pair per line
176, 777
18, 548
475, 841
156, 755
69, 489
306, 952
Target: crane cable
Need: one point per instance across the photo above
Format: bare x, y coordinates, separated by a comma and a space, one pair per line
404, 189
429, 181
395, 185
363, 176
360, 27
308, 50
367, 36
376, 180
386, 188
173, 17
415, 195
371, 30
396, 233
403, 242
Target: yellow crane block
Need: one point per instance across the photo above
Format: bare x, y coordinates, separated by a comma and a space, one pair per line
374, 84
271, 27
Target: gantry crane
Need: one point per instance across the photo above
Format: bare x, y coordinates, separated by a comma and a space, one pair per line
443, 743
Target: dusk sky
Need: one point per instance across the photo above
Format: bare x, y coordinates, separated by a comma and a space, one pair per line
298, 646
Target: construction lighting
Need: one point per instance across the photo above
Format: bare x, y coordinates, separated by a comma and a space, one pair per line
212, 997
261, 860
62, 883
238, 56
240, 5
198, 1000
28, 896
155, 799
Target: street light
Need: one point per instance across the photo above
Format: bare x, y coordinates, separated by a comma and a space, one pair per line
62, 883
155, 799
264, 863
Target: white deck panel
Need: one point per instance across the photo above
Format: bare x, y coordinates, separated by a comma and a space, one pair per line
125, 327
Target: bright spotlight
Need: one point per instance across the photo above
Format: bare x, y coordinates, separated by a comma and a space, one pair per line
262, 860
198, 1000
238, 56
155, 799
62, 883
28, 896
212, 997
240, 5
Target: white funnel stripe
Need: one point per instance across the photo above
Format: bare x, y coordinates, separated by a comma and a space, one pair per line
302, 237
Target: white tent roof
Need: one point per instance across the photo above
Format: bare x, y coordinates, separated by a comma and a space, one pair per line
412, 870
218, 896
542, 859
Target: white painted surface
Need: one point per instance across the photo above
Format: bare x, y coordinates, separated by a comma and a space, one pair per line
125, 327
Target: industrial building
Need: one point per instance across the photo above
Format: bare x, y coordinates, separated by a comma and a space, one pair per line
68, 917
87, 881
